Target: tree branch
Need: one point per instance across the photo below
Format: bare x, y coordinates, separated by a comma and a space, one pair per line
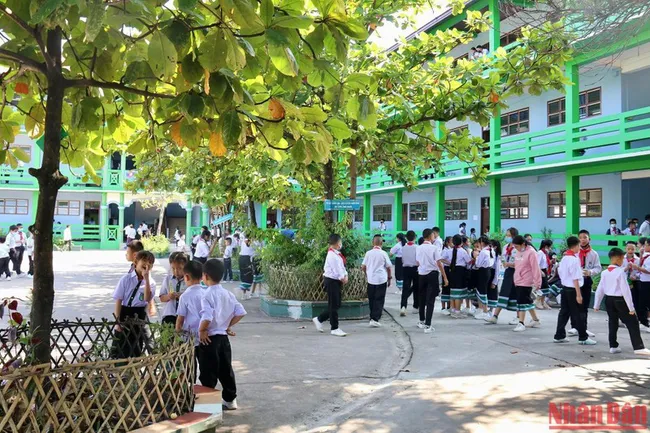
23, 61
15, 18
89, 82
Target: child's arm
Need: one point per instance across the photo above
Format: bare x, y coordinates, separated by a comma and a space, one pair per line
118, 308
600, 293
232, 323
164, 296
441, 266
537, 271
148, 292
179, 322
627, 293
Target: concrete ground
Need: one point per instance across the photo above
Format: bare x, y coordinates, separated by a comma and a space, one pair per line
465, 377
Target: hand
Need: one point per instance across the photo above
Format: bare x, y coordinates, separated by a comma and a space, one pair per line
446, 282
632, 313
345, 280
586, 272
230, 332
596, 309
118, 328
579, 300
203, 337
494, 286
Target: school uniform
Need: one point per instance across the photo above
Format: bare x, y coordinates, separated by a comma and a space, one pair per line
202, 251
399, 274
508, 293
437, 242
333, 272
544, 262
246, 271
29, 249
410, 275
376, 262
457, 275
569, 271
633, 277
614, 288
219, 307
130, 290
493, 292
590, 261
427, 256
195, 242
445, 293
189, 307
4, 260
644, 290
171, 284
527, 275
484, 262
20, 241
227, 262
471, 277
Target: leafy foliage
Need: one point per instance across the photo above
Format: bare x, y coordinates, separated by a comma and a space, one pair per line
158, 245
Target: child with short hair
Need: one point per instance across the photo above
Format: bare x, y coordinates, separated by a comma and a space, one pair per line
410, 273
590, 262
334, 276
643, 307
614, 288
377, 267
458, 260
429, 261
4, 258
632, 274
188, 312
227, 261
202, 248
173, 286
132, 251
397, 252
220, 311
544, 260
527, 278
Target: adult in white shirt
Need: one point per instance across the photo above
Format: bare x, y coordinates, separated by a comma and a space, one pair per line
429, 260
334, 276
644, 230
67, 237
377, 266
21, 241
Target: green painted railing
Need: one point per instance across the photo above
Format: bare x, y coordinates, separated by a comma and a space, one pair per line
560, 145
80, 232
20, 178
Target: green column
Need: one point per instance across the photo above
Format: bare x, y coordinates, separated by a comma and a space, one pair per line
105, 176
367, 212
440, 209
263, 215
572, 107
103, 222
120, 213
572, 203
495, 204
397, 211
205, 215
340, 215
188, 222
495, 30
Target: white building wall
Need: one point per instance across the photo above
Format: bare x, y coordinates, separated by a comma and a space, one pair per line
81, 197
8, 219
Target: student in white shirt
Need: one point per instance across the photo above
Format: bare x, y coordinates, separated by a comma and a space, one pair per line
195, 242
631, 229
377, 267
11, 242
590, 262
382, 225
227, 260
634, 276
334, 276
484, 262
202, 248
544, 260
29, 249
21, 241
429, 261
644, 230
4, 258
220, 311
437, 240
397, 252
173, 286
410, 273
67, 237
246, 271
458, 260
643, 307
572, 278
614, 288
188, 312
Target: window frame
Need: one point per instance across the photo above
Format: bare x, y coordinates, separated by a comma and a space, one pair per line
449, 213
18, 205
68, 207
387, 216
458, 129
424, 213
358, 213
520, 215
583, 205
516, 33
518, 123
562, 111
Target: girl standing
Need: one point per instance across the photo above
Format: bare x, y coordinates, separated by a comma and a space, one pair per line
507, 295
445, 297
527, 279
493, 290
459, 260
397, 252
484, 263
258, 275
544, 260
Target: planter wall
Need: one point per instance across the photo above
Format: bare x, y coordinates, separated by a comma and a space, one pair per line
285, 282
306, 310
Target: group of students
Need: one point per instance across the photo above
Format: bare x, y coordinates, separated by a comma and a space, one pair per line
13, 248
195, 303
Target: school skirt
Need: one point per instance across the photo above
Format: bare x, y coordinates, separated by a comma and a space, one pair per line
445, 294
258, 276
246, 274
472, 277
508, 294
492, 292
546, 288
399, 272
524, 298
482, 281
458, 283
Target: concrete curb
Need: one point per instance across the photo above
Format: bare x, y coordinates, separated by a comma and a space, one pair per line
306, 310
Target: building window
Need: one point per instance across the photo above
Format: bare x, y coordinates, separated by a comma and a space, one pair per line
68, 207
382, 212
589, 106
14, 206
514, 206
458, 130
456, 209
510, 37
419, 211
358, 215
591, 203
515, 122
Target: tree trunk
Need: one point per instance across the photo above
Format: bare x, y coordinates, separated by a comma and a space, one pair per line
329, 189
161, 216
353, 176
251, 211
50, 181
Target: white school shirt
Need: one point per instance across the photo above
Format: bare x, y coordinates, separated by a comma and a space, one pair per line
219, 306
196, 239
541, 258
409, 255
628, 232
247, 250
125, 288
20, 238
227, 252
570, 270
29, 246
427, 256
497, 270
334, 266
632, 274
397, 250
189, 306
438, 242
613, 282
484, 260
202, 249
11, 240
67, 234
4, 250
645, 264
169, 286
376, 261
644, 230
592, 263
462, 258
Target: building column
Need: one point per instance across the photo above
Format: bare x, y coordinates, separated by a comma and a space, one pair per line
495, 30
495, 205
103, 222
367, 212
188, 221
572, 203
105, 175
440, 209
123, 165
572, 73
34, 204
120, 212
495, 121
205, 215
397, 211
264, 212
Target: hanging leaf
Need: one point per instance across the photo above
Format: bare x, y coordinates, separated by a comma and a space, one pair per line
192, 105
217, 148
284, 60
175, 133
21, 155
187, 6
45, 10
21, 88
95, 20
266, 12
338, 128
289, 22
35, 121
276, 109
212, 52
230, 127
162, 55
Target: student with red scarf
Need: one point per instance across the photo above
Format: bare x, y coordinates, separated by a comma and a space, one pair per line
508, 294
544, 260
643, 308
334, 276
410, 273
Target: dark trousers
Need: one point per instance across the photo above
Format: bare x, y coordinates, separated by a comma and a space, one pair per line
4, 267
215, 365
169, 320
201, 260
429, 289
333, 289
642, 304
20, 252
227, 275
586, 298
376, 298
411, 279
617, 309
31, 265
68, 245
129, 342
569, 308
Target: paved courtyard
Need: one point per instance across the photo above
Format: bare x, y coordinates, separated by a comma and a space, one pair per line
465, 377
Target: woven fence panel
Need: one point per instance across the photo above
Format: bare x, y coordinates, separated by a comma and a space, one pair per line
285, 282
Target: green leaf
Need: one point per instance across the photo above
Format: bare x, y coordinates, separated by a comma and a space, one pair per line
323, 6
352, 28
230, 127
123, 131
358, 81
243, 13
352, 108
292, 7
178, 35
266, 12
21, 154
313, 114
45, 10
139, 70
235, 54
317, 37
298, 151
192, 105
338, 128
187, 6
212, 52
95, 20
13, 162
289, 22
192, 69
162, 55
284, 60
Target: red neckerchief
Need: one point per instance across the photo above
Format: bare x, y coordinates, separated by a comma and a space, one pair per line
610, 268
630, 260
583, 255
548, 263
645, 256
632, 231
338, 253
410, 243
509, 249
570, 253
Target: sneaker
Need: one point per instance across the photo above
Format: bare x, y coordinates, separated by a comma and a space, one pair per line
398, 292
255, 295
590, 334
519, 328
338, 333
492, 320
428, 329
30, 276
457, 315
229, 406
421, 325
644, 352
480, 315
8, 279
446, 312
614, 350
587, 342
534, 324
514, 321
374, 324
560, 340
573, 332
402, 311
317, 324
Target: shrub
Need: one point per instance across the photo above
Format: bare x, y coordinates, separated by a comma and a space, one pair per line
158, 245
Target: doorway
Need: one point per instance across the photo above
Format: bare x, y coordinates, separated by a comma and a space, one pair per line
91, 213
405, 216
485, 215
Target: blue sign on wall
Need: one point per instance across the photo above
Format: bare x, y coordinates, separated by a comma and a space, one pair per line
342, 205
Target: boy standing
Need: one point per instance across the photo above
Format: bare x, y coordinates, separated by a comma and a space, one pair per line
572, 278
614, 288
590, 263
227, 260
437, 240
188, 313
428, 258
410, 271
4, 258
377, 267
643, 307
334, 276
220, 311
